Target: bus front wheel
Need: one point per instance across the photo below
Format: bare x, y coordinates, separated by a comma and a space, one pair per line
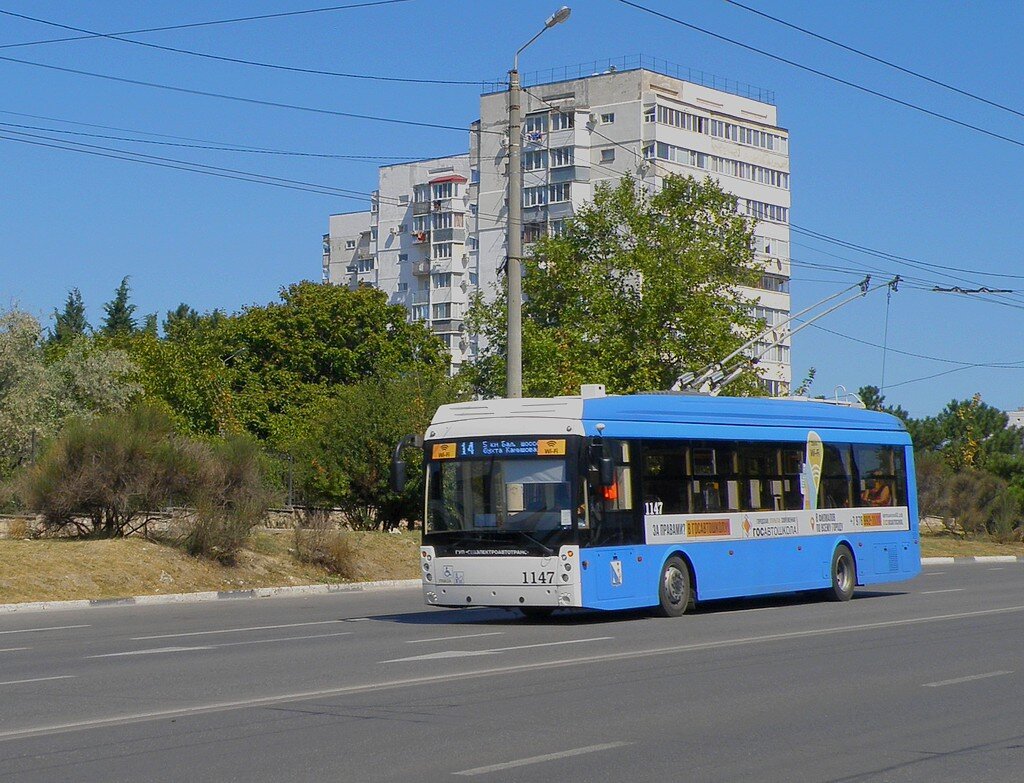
674, 596
844, 574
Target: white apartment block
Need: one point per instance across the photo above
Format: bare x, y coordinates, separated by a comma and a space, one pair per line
577, 132
412, 245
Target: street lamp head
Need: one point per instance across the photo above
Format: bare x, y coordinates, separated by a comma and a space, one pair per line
558, 16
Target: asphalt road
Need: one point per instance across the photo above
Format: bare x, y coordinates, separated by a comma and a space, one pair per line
923, 682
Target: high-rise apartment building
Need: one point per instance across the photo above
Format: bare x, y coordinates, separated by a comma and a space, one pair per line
577, 132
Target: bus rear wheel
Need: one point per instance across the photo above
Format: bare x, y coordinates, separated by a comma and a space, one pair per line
674, 596
844, 575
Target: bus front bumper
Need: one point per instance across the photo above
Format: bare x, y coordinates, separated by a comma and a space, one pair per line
508, 582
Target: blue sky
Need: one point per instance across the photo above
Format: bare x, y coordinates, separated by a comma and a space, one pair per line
865, 170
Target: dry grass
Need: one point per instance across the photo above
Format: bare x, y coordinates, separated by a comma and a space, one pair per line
67, 569
945, 545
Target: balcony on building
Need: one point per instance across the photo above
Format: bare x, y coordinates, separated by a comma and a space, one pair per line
421, 268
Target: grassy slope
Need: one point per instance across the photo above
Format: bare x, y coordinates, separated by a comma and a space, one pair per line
55, 570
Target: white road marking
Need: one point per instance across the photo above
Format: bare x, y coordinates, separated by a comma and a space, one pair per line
494, 651
151, 651
562, 754
950, 590
958, 680
443, 679
453, 638
51, 628
997, 568
932, 573
155, 650
283, 639
39, 679
232, 630
15, 649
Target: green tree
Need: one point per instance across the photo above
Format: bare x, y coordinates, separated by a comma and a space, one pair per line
343, 447
119, 319
149, 325
180, 317
41, 390
289, 354
71, 322
874, 400
638, 290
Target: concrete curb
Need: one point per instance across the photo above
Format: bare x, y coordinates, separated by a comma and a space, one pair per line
976, 559
232, 595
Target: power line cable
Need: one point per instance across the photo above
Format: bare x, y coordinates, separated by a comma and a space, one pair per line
208, 146
825, 75
874, 58
242, 61
241, 99
235, 20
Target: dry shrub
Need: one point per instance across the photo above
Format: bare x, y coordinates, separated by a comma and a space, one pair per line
231, 498
19, 528
318, 541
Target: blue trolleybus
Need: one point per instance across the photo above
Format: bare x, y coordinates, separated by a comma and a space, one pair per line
661, 500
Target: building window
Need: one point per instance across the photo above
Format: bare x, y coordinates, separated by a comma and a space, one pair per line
725, 166
403, 257
420, 223
443, 280
373, 233
534, 160
472, 209
421, 193
350, 244
562, 120
442, 220
649, 114
474, 278
444, 190
608, 119
777, 248
474, 175
534, 197
403, 199
559, 192
365, 265
444, 250
558, 227
608, 156
536, 124
442, 310
403, 287
420, 312
775, 283
561, 156
532, 232
762, 211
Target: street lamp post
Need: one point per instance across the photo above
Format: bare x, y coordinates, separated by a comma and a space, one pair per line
513, 267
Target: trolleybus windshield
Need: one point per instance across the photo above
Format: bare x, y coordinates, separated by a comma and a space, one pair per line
501, 490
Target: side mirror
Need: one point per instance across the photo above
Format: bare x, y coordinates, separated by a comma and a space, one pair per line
606, 471
398, 477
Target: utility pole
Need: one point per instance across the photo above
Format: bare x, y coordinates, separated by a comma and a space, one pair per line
514, 264
514, 261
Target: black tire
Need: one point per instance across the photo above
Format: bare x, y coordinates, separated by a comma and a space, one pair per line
537, 612
674, 594
844, 575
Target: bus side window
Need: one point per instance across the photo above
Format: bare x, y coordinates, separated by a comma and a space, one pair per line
664, 477
882, 475
836, 477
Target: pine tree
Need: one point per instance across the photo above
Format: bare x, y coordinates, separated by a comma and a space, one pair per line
70, 323
180, 316
149, 325
119, 319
